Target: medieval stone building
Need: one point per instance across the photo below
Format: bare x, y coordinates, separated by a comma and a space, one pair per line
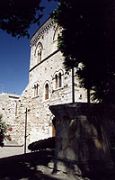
80, 139
49, 84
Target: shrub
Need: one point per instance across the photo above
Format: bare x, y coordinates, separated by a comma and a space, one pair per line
3, 130
42, 144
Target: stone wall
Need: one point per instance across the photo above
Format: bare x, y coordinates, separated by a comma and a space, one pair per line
8, 110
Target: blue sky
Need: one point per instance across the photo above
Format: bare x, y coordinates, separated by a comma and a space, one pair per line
15, 58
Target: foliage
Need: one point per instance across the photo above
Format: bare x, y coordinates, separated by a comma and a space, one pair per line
3, 130
42, 144
88, 37
17, 15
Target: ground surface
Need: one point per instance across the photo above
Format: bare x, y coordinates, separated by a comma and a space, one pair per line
34, 166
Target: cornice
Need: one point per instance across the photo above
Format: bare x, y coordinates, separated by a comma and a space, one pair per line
40, 32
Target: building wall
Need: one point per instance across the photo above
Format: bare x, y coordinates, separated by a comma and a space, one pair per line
45, 62
8, 110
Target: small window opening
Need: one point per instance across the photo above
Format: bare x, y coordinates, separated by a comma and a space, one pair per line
60, 80
56, 81
46, 91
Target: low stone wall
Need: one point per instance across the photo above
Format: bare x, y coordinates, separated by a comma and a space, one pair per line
8, 151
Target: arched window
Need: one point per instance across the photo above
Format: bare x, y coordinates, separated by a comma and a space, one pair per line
39, 52
36, 90
57, 32
47, 91
60, 80
56, 81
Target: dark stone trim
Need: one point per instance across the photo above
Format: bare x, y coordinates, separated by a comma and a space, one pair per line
13, 145
15, 97
44, 60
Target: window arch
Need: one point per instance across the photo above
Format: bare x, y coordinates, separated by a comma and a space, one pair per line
56, 81
57, 31
36, 90
46, 91
38, 52
60, 79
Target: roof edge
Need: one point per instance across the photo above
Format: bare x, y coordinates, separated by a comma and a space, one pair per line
40, 31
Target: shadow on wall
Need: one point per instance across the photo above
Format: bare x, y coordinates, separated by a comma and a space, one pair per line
82, 140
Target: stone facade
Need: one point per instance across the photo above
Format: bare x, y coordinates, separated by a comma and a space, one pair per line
8, 110
49, 84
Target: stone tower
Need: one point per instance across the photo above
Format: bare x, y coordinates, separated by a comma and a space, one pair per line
49, 84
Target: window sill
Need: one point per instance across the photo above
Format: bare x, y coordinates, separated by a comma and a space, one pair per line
60, 88
46, 100
35, 97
